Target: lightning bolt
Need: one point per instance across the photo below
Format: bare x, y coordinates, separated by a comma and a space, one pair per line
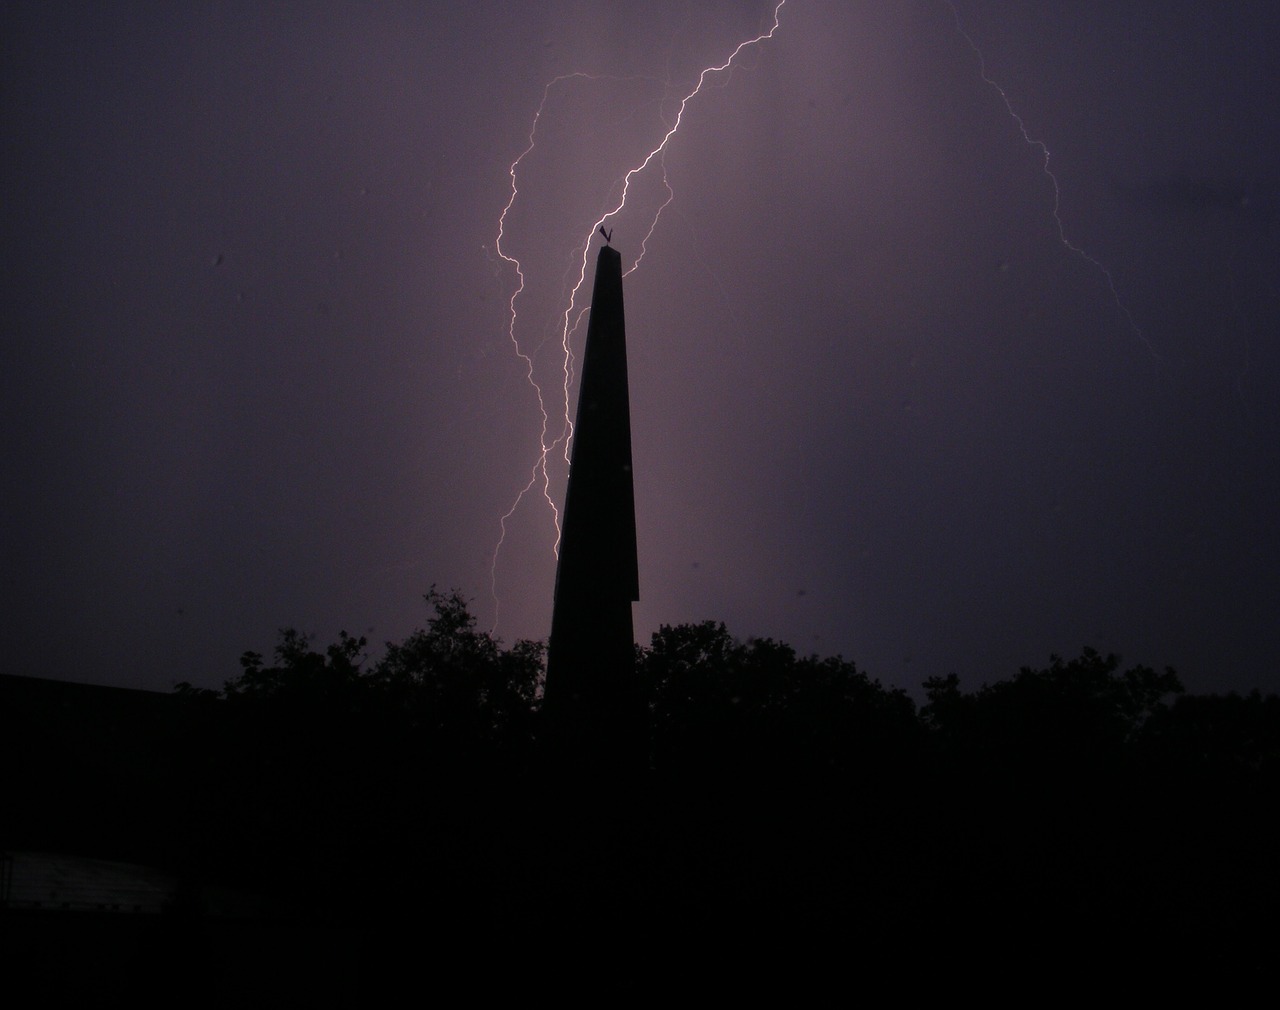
526, 358
1043, 148
538, 474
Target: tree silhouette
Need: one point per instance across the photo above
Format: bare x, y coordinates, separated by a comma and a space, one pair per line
1084, 710
457, 683
757, 705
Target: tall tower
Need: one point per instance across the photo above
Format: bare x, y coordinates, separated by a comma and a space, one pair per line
590, 685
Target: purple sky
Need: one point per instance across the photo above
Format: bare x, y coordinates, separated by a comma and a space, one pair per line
257, 370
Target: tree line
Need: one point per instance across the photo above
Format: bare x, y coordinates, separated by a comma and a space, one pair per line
1084, 803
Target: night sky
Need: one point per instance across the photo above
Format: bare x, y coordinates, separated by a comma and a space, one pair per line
258, 372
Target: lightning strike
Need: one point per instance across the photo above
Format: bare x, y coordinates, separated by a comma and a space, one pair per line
539, 473
1043, 148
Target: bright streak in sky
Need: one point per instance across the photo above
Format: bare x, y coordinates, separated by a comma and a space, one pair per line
1043, 148
539, 474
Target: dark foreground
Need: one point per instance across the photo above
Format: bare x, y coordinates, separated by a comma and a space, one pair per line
310, 831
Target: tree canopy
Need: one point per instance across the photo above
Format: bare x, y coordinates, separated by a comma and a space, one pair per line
778, 792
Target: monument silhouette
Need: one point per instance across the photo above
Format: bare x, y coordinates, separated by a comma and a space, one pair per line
590, 687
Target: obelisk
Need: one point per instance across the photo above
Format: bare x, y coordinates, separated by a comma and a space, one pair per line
590, 685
